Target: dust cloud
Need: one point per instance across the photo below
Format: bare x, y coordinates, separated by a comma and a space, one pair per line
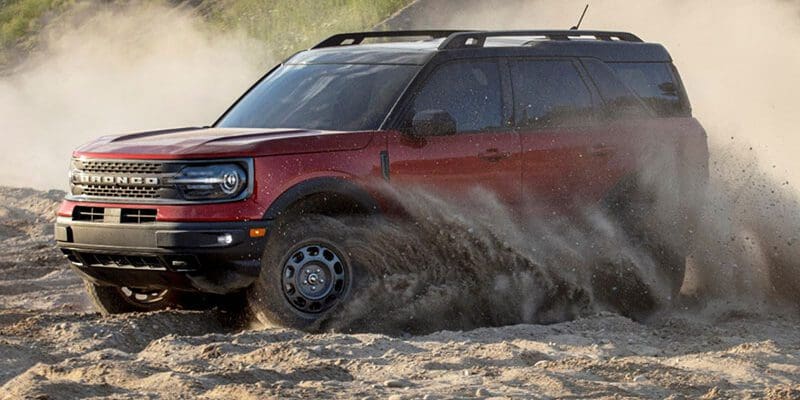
461, 265
459, 271
111, 69
736, 58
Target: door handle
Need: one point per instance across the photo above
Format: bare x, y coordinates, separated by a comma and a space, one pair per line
601, 150
493, 155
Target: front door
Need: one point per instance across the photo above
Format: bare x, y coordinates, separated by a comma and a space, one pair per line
482, 153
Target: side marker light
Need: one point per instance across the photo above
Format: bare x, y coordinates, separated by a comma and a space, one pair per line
258, 232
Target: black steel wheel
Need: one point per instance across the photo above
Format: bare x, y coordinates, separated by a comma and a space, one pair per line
314, 277
143, 297
306, 273
119, 300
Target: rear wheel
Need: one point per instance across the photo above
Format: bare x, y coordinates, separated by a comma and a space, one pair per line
672, 265
306, 273
119, 300
634, 209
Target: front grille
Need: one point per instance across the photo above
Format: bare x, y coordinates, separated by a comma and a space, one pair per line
139, 181
120, 167
124, 179
131, 192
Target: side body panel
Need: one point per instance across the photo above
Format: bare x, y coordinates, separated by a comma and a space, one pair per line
455, 164
578, 167
571, 167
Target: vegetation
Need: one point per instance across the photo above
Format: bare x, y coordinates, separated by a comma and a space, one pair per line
19, 22
289, 25
284, 25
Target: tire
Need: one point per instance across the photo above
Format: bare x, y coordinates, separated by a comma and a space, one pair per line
306, 274
631, 208
672, 265
119, 300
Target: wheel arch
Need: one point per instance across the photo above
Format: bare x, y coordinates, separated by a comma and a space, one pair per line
620, 193
326, 196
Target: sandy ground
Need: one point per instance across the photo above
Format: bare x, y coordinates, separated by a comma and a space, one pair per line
53, 346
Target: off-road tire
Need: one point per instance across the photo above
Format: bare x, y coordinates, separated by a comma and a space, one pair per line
267, 298
112, 300
629, 209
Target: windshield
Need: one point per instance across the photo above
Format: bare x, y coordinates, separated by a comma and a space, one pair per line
342, 97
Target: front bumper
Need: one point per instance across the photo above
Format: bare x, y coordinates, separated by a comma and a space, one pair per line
212, 257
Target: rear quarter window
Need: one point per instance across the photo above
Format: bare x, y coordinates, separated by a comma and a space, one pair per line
619, 101
657, 84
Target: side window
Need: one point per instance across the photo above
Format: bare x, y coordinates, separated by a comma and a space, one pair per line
550, 93
469, 91
656, 85
619, 101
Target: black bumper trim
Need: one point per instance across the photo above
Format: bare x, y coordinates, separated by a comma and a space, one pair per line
215, 257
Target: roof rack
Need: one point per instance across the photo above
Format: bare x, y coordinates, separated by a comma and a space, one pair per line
478, 38
348, 39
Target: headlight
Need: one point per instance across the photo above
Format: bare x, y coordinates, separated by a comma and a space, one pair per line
211, 182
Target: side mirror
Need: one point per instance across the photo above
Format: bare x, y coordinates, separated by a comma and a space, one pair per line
433, 123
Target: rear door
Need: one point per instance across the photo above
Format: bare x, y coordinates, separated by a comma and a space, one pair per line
568, 157
484, 151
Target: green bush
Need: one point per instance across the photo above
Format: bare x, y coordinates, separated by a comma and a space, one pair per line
291, 25
284, 25
20, 20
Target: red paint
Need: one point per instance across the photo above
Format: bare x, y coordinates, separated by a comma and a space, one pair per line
554, 168
457, 163
194, 143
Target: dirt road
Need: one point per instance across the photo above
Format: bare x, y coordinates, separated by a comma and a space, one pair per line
52, 345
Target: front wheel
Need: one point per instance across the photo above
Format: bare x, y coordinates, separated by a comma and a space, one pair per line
306, 273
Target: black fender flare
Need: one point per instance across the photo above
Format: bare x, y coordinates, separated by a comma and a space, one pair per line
620, 193
336, 187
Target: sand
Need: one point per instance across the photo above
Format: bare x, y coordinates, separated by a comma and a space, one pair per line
53, 345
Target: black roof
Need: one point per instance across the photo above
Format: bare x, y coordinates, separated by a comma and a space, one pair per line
606, 46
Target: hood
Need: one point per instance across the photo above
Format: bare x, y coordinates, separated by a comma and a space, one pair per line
222, 142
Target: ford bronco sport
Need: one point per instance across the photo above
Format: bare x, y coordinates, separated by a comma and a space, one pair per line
552, 118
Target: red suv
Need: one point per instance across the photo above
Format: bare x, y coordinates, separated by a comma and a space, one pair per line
547, 120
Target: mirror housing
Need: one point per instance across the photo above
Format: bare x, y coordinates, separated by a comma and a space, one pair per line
433, 123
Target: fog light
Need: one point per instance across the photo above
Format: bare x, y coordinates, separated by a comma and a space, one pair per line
225, 239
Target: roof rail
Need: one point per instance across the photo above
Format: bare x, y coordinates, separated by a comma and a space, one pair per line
477, 39
347, 39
